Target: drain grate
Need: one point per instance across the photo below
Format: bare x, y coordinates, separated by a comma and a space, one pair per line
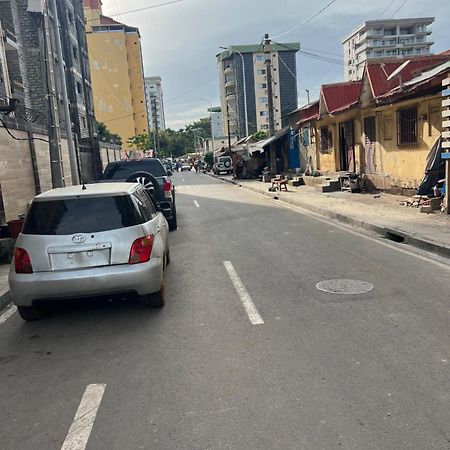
344, 287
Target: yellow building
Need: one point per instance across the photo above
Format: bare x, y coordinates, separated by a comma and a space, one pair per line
115, 59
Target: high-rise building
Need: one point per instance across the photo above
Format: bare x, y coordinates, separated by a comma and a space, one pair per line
241, 65
116, 63
384, 39
155, 103
216, 122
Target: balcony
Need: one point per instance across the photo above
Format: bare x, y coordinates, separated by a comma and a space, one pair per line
230, 81
10, 40
231, 98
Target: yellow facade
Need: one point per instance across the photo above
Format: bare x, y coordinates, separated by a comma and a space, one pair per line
391, 167
116, 66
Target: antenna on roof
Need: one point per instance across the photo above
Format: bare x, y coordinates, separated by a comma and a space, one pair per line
398, 70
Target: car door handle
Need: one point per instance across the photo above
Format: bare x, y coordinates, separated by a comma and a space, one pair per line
158, 230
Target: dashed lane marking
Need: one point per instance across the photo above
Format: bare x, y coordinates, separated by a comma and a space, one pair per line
80, 430
244, 296
196, 204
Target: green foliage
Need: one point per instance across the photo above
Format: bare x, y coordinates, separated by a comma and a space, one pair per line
141, 141
105, 135
260, 135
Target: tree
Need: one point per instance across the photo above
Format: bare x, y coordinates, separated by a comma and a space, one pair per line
141, 141
105, 135
260, 135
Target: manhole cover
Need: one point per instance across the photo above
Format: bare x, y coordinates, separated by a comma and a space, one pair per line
344, 287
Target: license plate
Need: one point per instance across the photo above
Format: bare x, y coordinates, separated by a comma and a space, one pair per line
79, 260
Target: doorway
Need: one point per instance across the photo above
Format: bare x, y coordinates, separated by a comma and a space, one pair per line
370, 157
347, 146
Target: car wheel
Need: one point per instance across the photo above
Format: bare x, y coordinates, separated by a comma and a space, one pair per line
173, 224
148, 181
31, 313
157, 299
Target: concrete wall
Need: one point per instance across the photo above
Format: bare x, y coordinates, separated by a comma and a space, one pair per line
109, 154
17, 179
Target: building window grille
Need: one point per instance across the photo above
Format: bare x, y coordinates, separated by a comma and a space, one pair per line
326, 139
407, 127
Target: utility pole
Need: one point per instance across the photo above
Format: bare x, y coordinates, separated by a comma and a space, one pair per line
228, 128
307, 93
4, 63
267, 51
446, 138
53, 125
65, 98
155, 123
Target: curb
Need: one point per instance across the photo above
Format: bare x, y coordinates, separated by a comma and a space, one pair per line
5, 300
391, 234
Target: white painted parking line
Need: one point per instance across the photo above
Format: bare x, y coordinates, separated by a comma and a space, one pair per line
196, 204
244, 296
6, 315
80, 430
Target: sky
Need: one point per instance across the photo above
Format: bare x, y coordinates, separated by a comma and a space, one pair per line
180, 40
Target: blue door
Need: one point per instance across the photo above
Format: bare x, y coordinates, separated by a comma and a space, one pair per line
294, 153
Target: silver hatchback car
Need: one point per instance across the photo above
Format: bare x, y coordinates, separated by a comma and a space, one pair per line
98, 240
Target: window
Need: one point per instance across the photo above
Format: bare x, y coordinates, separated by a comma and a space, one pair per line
70, 16
326, 139
263, 99
75, 52
262, 86
264, 113
260, 57
306, 137
261, 71
83, 121
407, 127
79, 87
81, 215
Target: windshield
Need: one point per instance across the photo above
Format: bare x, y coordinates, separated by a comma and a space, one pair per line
124, 169
81, 215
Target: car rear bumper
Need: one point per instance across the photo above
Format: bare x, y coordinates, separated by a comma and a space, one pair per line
139, 278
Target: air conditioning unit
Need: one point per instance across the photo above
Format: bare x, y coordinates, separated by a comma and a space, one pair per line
36, 6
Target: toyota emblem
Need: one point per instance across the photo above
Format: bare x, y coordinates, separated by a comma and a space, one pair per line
78, 238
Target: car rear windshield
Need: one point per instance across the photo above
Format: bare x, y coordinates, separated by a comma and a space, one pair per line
81, 215
123, 170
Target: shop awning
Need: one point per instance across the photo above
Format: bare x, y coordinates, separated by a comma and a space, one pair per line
260, 146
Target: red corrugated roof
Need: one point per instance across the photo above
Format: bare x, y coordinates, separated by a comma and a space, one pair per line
378, 72
308, 113
340, 96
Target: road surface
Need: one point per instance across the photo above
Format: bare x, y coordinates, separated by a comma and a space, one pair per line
248, 353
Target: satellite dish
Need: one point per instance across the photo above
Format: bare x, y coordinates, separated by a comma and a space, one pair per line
398, 70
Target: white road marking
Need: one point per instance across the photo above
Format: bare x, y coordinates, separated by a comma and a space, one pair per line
244, 296
196, 204
6, 315
80, 430
348, 229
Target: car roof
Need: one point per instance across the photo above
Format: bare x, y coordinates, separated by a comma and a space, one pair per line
133, 161
91, 190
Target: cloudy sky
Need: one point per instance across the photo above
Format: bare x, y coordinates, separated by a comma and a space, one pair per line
180, 40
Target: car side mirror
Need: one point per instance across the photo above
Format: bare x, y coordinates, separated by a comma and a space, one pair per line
169, 173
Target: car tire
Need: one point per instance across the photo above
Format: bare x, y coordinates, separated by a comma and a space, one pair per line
167, 258
31, 313
148, 181
157, 299
173, 223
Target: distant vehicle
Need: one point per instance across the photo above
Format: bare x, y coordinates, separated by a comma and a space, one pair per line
185, 166
153, 176
223, 164
105, 240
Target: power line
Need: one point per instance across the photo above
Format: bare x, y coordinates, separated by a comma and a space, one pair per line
21, 139
387, 7
399, 8
307, 20
145, 8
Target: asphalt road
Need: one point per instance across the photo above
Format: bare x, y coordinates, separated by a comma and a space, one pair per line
247, 353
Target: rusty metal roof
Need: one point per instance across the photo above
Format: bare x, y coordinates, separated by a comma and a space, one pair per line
339, 97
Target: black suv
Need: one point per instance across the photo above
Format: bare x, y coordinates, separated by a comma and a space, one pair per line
153, 176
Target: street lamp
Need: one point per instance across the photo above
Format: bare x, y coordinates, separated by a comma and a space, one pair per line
230, 49
210, 121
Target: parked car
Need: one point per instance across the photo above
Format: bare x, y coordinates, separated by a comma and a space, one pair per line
185, 166
153, 176
100, 240
223, 164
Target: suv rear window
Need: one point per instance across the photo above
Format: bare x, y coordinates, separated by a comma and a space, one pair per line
124, 169
81, 215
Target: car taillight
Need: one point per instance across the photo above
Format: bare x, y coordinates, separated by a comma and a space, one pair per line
141, 250
22, 262
167, 188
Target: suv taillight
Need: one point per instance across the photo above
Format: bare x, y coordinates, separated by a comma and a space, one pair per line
22, 261
167, 188
141, 250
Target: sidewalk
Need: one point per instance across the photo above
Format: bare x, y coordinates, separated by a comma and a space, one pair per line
4, 288
381, 214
